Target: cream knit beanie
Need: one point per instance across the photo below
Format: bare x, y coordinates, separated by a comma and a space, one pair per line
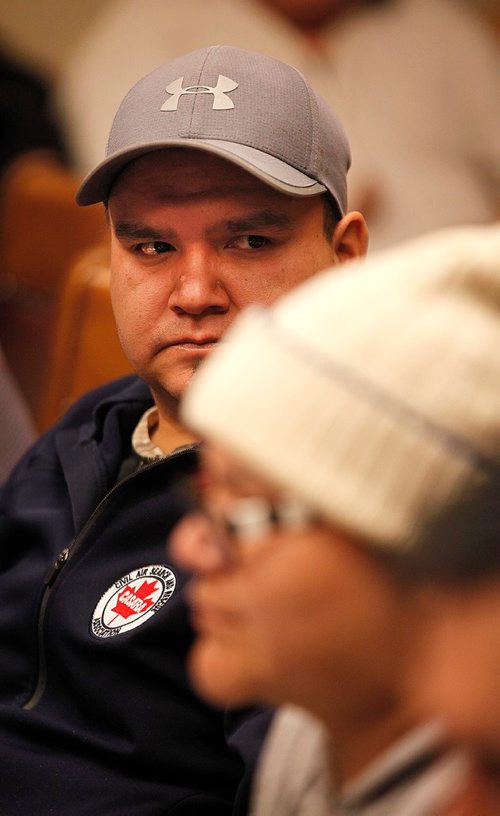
372, 391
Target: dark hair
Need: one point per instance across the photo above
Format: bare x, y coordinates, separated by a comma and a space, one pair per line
332, 216
461, 543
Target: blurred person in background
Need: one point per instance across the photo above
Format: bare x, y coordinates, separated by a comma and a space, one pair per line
416, 83
365, 433
419, 82
27, 120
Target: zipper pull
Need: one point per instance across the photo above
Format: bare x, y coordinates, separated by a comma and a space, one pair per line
56, 567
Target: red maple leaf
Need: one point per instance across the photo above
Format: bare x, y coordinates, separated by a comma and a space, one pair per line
132, 601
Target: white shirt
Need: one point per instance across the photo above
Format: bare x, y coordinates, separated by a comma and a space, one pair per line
412, 778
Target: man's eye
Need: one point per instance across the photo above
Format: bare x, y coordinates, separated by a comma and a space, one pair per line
152, 248
251, 242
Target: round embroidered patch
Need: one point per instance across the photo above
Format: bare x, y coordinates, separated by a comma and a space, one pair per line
132, 600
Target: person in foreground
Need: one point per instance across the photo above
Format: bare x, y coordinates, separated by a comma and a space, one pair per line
225, 183
368, 418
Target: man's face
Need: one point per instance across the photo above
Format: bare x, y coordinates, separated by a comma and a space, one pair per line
298, 615
194, 239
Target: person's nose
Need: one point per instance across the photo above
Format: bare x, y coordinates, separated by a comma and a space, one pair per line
198, 288
193, 545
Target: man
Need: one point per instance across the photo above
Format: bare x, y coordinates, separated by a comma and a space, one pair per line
224, 182
372, 405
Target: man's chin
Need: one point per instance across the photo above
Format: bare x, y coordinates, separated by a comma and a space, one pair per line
170, 391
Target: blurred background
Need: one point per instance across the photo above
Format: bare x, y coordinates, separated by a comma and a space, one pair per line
416, 83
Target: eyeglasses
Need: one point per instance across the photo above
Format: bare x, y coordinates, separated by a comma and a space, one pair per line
246, 520
252, 517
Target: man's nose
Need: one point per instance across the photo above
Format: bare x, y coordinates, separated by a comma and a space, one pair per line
198, 288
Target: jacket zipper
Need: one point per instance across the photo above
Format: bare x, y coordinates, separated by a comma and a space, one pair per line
55, 570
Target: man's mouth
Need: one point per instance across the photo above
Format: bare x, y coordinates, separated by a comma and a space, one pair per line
203, 344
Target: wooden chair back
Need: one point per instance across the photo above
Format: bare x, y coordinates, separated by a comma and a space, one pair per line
86, 351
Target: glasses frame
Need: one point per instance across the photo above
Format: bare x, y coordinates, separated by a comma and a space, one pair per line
248, 519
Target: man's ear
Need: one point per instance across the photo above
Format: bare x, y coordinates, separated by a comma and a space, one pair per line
350, 237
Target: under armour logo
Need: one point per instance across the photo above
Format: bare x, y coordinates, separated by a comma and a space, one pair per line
221, 100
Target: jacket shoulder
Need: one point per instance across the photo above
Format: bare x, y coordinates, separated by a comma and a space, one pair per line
84, 420
129, 389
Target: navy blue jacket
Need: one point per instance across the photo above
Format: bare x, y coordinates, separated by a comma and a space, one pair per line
96, 712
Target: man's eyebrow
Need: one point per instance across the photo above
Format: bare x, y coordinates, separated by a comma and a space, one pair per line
264, 218
136, 230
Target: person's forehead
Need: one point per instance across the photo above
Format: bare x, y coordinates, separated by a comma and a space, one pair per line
178, 174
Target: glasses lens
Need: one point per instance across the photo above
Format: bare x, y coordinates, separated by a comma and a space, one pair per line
249, 518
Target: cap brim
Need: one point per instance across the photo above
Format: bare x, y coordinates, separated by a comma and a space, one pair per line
97, 185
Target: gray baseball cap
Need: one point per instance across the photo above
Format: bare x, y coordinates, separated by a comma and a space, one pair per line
252, 110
